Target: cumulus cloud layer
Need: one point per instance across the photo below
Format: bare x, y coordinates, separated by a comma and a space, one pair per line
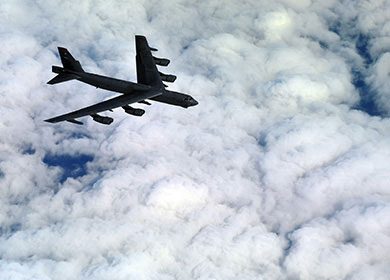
274, 175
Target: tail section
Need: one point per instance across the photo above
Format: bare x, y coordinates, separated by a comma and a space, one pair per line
68, 61
62, 77
71, 67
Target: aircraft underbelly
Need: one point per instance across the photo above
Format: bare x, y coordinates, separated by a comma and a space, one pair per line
109, 84
168, 99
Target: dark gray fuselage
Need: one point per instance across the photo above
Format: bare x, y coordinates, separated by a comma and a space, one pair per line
126, 87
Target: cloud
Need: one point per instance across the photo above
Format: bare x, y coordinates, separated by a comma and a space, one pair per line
379, 79
342, 243
275, 174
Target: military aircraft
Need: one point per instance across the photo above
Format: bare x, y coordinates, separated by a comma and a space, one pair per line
149, 85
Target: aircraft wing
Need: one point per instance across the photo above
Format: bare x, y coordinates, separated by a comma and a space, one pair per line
112, 103
147, 72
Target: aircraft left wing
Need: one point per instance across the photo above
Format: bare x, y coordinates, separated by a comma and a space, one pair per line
109, 104
147, 72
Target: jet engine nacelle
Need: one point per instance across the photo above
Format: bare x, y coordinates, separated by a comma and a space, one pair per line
101, 119
161, 61
133, 111
167, 78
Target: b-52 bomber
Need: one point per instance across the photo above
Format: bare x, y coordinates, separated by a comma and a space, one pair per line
149, 85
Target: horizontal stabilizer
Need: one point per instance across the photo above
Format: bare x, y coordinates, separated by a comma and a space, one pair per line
62, 77
57, 69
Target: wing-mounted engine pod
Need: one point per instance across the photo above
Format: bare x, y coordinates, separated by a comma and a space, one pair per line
161, 61
102, 119
133, 111
167, 78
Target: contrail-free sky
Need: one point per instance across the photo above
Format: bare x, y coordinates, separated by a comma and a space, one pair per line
281, 172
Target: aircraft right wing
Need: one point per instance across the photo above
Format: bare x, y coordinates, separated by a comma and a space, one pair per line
109, 104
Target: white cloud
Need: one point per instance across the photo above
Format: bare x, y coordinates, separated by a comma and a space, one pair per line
380, 81
271, 176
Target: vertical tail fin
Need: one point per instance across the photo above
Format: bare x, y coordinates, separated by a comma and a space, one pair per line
70, 68
68, 61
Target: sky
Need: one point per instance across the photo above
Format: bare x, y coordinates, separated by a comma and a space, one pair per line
281, 172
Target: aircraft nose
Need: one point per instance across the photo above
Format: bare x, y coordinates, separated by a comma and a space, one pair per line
194, 102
